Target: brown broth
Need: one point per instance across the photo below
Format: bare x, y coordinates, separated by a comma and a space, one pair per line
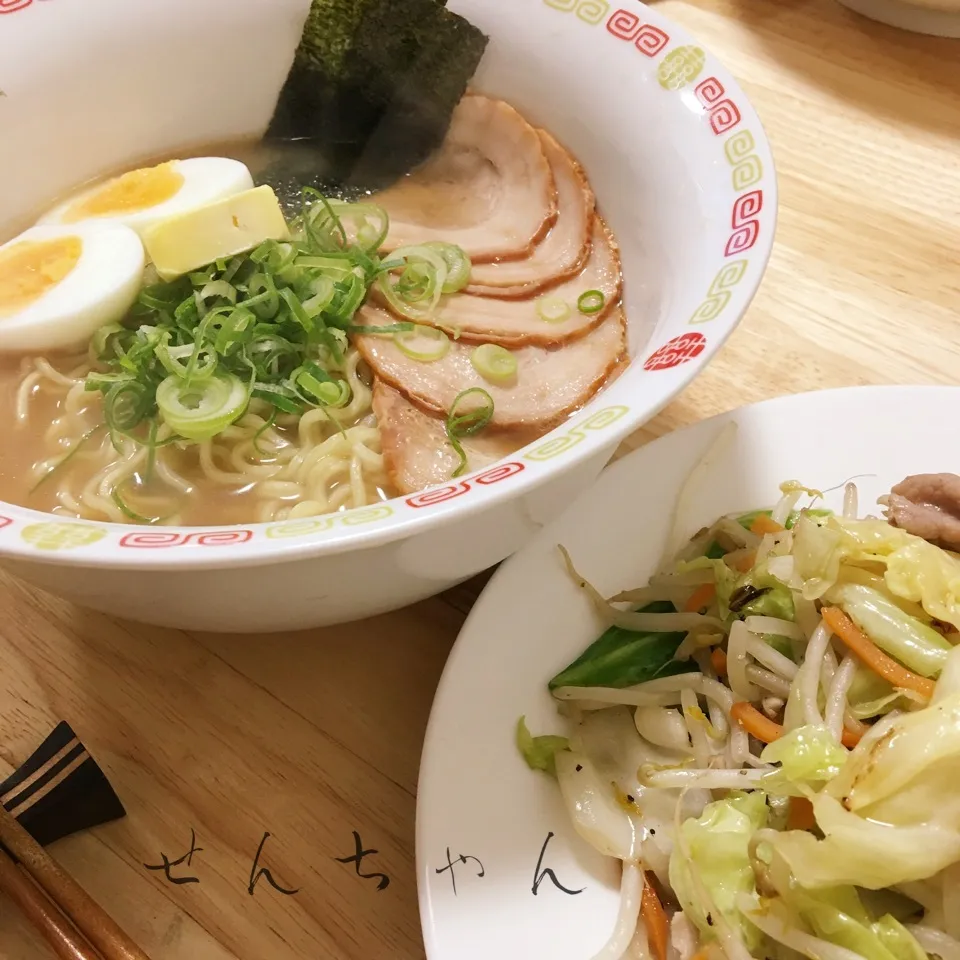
24, 445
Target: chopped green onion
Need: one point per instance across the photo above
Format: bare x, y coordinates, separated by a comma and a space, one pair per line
219, 288
296, 309
263, 298
321, 387
414, 283
130, 513
324, 291
417, 291
423, 343
68, 456
494, 363
151, 451
591, 302
282, 398
267, 424
323, 222
271, 324
126, 405
459, 425
100, 343
553, 309
201, 361
200, 411
458, 264
360, 328
368, 237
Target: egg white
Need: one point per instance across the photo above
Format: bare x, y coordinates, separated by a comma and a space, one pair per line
205, 180
100, 289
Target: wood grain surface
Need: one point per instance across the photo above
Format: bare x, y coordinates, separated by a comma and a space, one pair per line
315, 737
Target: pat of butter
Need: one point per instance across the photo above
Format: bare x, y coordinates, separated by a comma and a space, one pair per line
215, 231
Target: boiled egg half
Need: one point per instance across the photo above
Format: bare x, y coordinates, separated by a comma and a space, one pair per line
58, 284
141, 198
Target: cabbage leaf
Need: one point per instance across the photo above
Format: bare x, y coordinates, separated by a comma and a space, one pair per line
718, 847
870, 695
770, 597
808, 756
754, 593
837, 914
898, 939
539, 752
914, 644
892, 813
913, 569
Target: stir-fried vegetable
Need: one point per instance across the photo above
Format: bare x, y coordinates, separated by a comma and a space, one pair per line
539, 752
621, 658
808, 757
716, 848
914, 644
655, 919
872, 655
785, 825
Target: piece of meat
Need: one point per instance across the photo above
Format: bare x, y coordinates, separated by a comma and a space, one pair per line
416, 449
550, 383
489, 188
562, 252
515, 323
927, 505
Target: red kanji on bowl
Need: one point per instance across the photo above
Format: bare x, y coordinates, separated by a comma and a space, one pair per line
676, 351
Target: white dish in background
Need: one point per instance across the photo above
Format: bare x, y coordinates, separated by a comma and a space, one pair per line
682, 170
476, 796
939, 18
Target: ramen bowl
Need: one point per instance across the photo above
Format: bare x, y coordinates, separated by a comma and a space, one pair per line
682, 172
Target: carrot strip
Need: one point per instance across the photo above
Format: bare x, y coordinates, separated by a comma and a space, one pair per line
655, 918
755, 723
745, 562
701, 597
800, 815
850, 739
872, 655
700, 955
718, 660
764, 524
766, 730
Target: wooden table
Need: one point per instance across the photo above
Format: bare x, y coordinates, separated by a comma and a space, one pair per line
315, 739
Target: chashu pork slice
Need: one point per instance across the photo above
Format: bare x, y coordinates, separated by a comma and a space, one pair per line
514, 323
549, 384
489, 188
562, 252
415, 445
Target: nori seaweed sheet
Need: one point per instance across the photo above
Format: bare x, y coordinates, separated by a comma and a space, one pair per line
374, 84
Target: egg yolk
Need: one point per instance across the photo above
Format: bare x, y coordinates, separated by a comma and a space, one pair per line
133, 191
30, 268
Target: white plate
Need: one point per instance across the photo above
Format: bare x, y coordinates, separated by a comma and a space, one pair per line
477, 799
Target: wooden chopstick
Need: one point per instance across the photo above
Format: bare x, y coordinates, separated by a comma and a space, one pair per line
67, 942
86, 914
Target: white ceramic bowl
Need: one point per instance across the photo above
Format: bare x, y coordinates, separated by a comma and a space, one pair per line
683, 173
940, 18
